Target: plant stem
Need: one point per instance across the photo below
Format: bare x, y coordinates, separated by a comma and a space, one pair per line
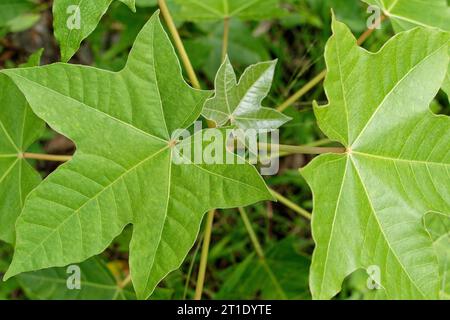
179, 44
251, 233
45, 157
369, 31
304, 149
291, 205
191, 267
260, 252
125, 281
204, 256
317, 79
300, 93
318, 143
226, 33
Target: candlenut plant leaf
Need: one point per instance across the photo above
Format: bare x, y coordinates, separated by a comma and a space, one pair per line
123, 173
74, 20
369, 203
212, 10
240, 103
407, 14
19, 128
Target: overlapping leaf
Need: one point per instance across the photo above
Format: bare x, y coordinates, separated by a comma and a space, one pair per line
407, 14
19, 128
123, 172
240, 103
74, 20
204, 10
96, 283
369, 203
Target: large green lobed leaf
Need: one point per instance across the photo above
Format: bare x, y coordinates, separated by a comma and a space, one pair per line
369, 203
122, 171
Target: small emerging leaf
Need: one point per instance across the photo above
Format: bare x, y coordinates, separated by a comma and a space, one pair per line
240, 103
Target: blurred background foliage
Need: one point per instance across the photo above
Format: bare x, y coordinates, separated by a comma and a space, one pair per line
295, 34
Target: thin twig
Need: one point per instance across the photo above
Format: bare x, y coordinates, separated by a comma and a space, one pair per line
204, 256
179, 44
258, 248
191, 268
291, 205
317, 79
125, 281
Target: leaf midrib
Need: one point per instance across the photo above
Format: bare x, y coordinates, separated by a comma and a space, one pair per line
129, 125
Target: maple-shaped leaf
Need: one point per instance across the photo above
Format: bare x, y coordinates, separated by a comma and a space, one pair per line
204, 10
240, 103
369, 202
122, 173
407, 14
19, 128
438, 225
74, 21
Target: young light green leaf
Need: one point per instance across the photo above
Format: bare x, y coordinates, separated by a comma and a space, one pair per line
370, 201
19, 128
122, 173
34, 60
438, 225
407, 14
74, 20
240, 103
204, 10
96, 283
